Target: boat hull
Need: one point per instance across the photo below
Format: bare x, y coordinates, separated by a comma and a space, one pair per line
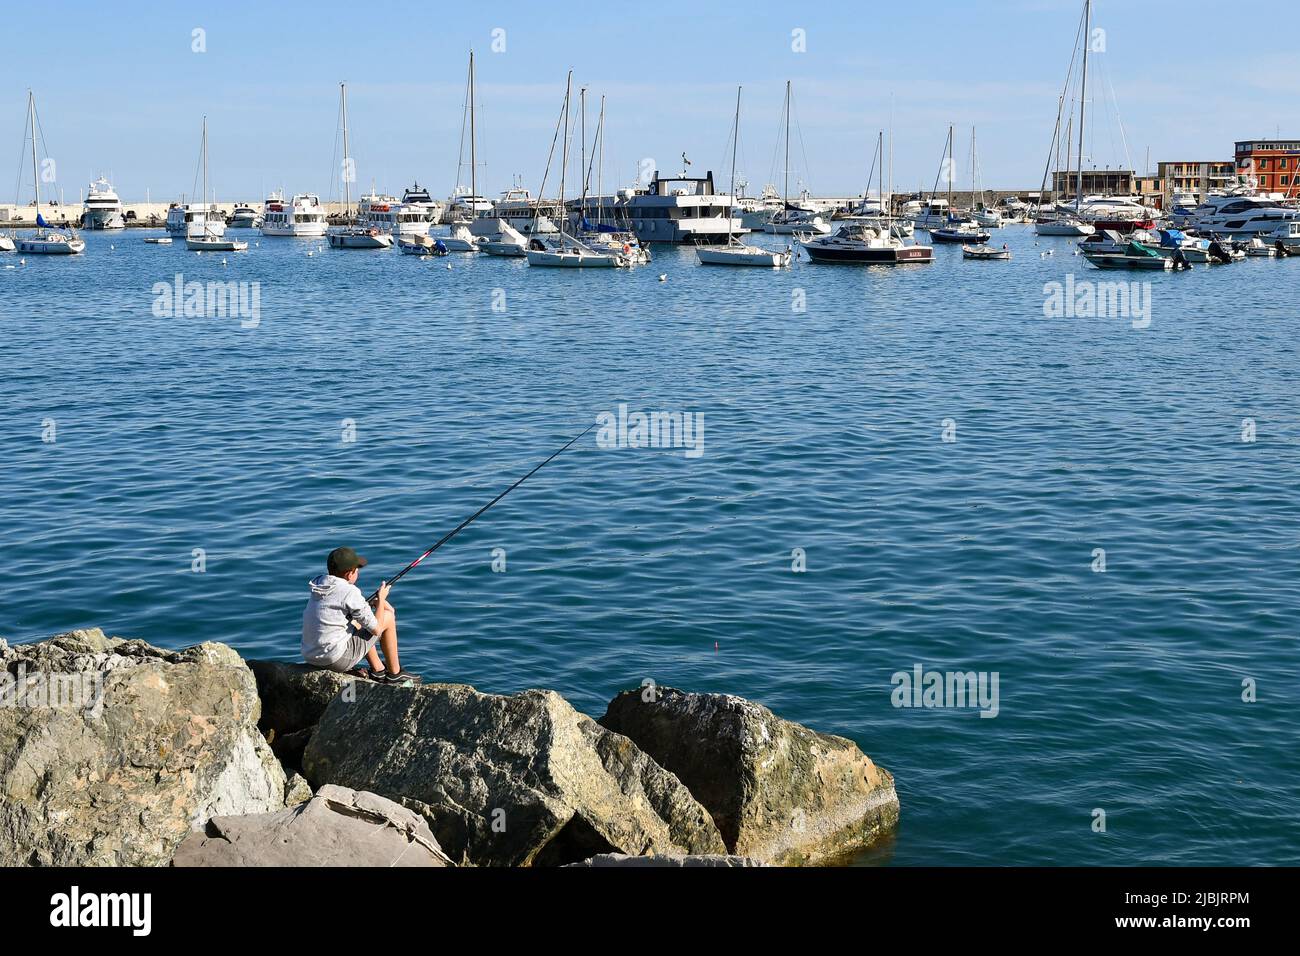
361, 241
570, 260
891, 257
216, 245
760, 258
52, 247
503, 249
1073, 229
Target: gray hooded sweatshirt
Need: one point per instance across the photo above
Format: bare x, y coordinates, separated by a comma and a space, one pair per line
332, 604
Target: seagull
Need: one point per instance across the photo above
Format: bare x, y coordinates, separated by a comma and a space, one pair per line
310, 253
223, 262
663, 277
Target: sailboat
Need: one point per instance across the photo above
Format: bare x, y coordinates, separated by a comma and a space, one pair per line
956, 229
45, 241
208, 241
735, 252
981, 213
563, 250
601, 235
1059, 223
466, 207
352, 234
792, 218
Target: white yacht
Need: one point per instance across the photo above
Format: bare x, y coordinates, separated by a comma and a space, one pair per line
389, 214
417, 197
302, 217
933, 214
244, 216
858, 242
518, 209
756, 212
683, 210
1240, 213
191, 220
464, 206
102, 208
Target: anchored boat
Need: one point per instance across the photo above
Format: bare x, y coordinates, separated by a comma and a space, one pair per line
45, 241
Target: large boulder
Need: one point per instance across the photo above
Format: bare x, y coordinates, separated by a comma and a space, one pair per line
293, 698
295, 695
507, 781
779, 792
622, 859
112, 750
336, 827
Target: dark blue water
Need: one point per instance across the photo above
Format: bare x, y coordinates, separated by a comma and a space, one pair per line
1119, 691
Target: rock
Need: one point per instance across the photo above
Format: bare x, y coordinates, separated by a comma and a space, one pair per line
507, 781
779, 792
622, 859
294, 695
336, 827
297, 790
115, 749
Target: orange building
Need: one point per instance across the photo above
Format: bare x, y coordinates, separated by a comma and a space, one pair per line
1274, 164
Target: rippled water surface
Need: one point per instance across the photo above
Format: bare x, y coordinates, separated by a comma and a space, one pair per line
1119, 691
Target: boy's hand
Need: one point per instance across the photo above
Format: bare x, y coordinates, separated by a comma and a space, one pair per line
383, 592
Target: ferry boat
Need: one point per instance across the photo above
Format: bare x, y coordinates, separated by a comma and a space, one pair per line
682, 210
302, 217
191, 220
102, 208
394, 217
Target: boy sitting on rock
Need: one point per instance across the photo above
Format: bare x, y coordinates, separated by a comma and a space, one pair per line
340, 630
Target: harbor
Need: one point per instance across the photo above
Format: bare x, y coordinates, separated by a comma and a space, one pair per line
647, 438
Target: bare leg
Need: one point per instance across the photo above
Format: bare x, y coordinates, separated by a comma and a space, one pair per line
372, 658
388, 641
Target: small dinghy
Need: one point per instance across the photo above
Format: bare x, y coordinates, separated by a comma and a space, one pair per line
422, 246
159, 240
986, 252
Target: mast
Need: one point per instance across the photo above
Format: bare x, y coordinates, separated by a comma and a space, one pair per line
600, 162
735, 142
582, 206
473, 150
786, 195
31, 120
205, 176
1083, 101
564, 154
949, 171
347, 182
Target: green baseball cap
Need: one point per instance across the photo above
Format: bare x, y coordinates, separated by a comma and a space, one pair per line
343, 560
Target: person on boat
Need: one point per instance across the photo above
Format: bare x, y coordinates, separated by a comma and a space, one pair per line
340, 630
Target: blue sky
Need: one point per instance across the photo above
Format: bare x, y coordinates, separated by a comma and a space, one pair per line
119, 89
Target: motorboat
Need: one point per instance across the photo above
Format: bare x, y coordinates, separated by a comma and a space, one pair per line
1135, 255
300, 217
508, 241
102, 208
194, 219
1241, 213
861, 243
1063, 225
159, 240
1257, 248
961, 231
460, 239
986, 253
425, 245
417, 197
1287, 234
244, 217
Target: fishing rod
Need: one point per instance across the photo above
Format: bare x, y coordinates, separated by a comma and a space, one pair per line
464, 524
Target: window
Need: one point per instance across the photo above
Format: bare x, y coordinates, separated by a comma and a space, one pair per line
1286, 180
1263, 164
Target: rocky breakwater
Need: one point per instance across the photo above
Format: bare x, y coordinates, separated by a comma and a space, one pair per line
112, 750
